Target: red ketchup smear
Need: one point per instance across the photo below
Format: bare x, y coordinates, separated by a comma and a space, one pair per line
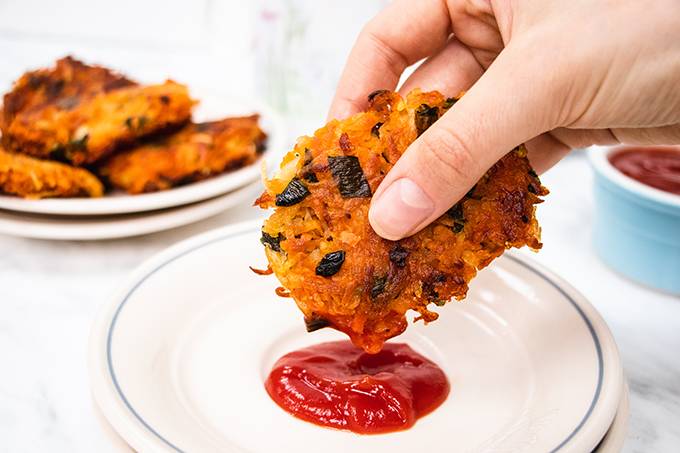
340, 386
656, 167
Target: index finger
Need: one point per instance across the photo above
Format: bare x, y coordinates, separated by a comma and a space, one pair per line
402, 34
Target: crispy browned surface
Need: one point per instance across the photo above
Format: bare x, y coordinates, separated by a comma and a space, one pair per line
29, 177
196, 152
82, 113
66, 84
380, 280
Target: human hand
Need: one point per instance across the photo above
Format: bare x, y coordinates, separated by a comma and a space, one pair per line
552, 74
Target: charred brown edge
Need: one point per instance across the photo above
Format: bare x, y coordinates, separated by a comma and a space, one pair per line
307, 173
378, 286
376, 93
450, 102
398, 255
310, 177
344, 143
471, 193
425, 116
316, 323
456, 213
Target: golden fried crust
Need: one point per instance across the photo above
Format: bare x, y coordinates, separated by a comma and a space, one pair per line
65, 85
321, 247
33, 178
198, 151
82, 113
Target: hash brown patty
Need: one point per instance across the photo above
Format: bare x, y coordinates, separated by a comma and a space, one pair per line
81, 113
341, 274
196, 152
29, 177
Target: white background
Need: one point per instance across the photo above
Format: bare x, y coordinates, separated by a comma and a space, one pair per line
49, 291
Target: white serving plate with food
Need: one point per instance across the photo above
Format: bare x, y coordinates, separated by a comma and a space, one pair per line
179, 355
213, 105
94, 228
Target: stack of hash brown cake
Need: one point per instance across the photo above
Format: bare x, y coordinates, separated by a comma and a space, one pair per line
72, 129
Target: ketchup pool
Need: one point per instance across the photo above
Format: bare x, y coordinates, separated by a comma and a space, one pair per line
653, 166
338, 385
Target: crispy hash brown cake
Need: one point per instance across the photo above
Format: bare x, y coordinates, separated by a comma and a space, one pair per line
341, 274
198, 151
81, 113
34, 178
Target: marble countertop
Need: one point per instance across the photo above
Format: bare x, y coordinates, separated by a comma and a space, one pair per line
50, 291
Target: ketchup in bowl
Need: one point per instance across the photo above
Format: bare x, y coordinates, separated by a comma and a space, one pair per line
340, 386
655, 167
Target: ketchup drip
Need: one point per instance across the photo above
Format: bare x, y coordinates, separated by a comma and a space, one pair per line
340, 386
656, 167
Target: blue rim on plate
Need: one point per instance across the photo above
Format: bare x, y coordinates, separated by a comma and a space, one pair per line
121, 394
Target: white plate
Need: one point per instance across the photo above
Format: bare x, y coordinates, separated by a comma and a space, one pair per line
179, 356
214, 105
616, 434
611, 443
123, 225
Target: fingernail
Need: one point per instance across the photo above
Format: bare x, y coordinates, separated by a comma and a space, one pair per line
401, 208
339, 113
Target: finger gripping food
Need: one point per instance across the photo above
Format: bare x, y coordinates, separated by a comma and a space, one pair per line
28, 177
81, 113
340, 273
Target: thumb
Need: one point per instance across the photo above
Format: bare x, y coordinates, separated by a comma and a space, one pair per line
507, 106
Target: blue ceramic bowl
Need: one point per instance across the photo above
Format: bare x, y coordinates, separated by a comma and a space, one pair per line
637, 227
